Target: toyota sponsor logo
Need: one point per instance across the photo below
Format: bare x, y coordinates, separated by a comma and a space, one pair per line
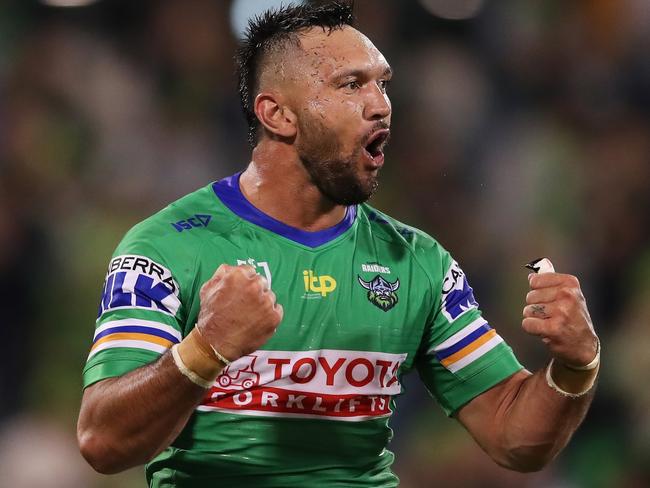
345, 385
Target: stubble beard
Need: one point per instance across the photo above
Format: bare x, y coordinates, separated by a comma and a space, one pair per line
335, 174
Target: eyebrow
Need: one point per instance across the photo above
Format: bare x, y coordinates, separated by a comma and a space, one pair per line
360, 73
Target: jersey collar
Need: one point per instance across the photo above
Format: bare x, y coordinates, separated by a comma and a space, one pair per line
229, 192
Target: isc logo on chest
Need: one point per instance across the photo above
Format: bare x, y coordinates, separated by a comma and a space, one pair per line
317, 286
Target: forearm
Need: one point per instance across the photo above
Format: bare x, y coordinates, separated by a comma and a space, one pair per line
126, 421
541, 414
536, 422
524, 421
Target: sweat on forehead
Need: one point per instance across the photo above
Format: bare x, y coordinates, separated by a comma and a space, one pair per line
316, 47
317, 40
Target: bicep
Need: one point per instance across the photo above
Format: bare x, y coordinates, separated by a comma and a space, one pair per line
484, 416
92, 398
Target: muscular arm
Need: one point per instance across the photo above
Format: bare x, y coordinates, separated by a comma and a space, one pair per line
126, 421
523, 423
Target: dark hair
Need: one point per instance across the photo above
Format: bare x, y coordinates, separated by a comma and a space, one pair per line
272, 30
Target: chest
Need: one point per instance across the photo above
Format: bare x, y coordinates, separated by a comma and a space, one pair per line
357, 295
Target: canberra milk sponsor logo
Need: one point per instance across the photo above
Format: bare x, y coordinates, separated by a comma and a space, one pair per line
134, 281
261, 267
457, 295
317, 286
344, 385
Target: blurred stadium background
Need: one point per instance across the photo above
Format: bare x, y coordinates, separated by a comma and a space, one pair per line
521, 129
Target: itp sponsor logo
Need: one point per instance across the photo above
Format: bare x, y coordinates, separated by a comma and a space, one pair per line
317, 286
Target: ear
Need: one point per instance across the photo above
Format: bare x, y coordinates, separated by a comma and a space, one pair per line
275, 117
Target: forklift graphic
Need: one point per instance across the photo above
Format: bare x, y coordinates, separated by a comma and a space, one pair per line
240, 374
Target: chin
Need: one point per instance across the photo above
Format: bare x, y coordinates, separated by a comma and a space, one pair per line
360, 193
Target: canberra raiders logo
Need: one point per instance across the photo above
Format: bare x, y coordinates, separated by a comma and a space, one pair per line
381, 293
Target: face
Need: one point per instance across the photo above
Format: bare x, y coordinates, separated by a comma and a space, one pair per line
343, 112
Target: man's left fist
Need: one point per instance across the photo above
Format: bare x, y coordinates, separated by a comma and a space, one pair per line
557, 312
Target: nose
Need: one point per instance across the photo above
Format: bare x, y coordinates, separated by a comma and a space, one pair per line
378, 105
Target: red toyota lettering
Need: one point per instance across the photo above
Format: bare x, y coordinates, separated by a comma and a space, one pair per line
296, 367
278, 366
330, 371
370, 369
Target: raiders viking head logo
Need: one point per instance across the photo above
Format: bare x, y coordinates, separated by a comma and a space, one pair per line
381, 293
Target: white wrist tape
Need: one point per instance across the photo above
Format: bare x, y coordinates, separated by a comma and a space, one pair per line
219, 356
553, 385
187, 372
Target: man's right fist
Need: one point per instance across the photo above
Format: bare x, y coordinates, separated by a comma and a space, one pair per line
238, 311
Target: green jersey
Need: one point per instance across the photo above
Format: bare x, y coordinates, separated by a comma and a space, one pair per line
365, 302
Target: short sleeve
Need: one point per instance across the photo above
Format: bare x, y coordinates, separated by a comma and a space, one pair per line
461, 355
140, 312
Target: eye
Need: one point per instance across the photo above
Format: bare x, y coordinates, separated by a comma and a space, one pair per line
383, 85
352, 85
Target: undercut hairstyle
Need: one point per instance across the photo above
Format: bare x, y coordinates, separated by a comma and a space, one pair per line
270, 34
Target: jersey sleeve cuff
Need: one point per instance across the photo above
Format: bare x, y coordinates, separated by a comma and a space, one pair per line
504, 366
109, 369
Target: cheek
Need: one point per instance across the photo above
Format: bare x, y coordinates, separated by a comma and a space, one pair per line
342, 114
349, 104
321, 112
317, 107
332, 118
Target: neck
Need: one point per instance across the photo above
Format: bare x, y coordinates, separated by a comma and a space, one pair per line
277, 183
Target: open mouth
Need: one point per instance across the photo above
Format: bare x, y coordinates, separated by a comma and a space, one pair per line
375, 145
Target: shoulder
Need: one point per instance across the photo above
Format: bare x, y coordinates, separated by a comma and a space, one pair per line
173, 239
422, 245
167, 246
180, 226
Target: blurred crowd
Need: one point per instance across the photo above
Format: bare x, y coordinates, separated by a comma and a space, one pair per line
522, 130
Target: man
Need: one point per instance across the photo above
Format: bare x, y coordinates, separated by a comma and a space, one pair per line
292, 308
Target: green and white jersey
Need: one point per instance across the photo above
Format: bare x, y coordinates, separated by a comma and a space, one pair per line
365, 302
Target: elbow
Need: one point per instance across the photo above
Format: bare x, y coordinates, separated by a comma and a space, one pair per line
527, 459
98, 452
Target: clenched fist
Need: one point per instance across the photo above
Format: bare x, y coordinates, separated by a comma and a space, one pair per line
557, 312
238, 311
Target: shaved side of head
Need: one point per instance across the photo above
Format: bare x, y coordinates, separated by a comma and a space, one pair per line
265, 53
